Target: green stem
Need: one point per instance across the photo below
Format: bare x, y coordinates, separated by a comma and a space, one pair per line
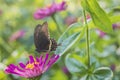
0, 56
58, 27
87, 38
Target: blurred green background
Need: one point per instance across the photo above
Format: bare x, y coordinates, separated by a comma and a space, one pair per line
16, 18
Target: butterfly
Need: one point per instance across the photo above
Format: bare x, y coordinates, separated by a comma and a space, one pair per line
42, 40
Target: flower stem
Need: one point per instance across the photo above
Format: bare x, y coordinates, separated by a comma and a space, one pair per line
1, 56
58, 27
87, 38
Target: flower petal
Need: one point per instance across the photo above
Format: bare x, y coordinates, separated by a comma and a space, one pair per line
31, 59
22, 65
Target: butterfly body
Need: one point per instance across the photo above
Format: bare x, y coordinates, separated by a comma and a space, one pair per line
42, 40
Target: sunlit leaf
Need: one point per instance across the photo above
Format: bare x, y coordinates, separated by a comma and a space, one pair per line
2, 75
59, 75
99, 17
115, 18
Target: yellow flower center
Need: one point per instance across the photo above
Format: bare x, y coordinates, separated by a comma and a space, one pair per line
31, 65
48, 6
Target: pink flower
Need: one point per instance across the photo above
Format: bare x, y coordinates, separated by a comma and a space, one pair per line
18, 34
48, 11
35, 67
88, 17
116, 26
65, 70
70, 20
113, 66
101, 33
1, 12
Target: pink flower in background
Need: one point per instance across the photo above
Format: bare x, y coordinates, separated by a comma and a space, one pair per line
101, 33
48, 11
1, 12
88, 17
65, 70
34, 67
70, 20
113, 66
116, 25
18, 34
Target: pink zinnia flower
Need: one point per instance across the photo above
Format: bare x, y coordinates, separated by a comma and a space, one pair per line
48, 11
35, 67
16, 35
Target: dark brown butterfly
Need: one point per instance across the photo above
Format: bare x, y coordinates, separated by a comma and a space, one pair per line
42, 40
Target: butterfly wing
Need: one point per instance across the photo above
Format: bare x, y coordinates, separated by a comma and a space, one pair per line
41, 37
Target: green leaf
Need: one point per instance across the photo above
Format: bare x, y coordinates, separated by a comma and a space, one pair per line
103, 73
3, 75
99, 17
73, 65
115, 18
87, 77
69, 38
77, 66
59, 75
